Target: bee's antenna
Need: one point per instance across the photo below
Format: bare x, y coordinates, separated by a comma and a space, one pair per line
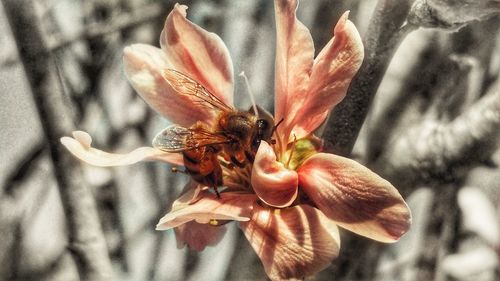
252, 99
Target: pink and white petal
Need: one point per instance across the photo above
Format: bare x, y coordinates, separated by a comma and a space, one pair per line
145, 66
292, 243
199, 54
80, 146
355, 197
197, 235
294, 60
272, 182
332, 72
209, 209
191, 193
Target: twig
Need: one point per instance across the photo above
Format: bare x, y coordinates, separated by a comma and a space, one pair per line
120, 23
85, 235
384, 35
440, 233
23, 168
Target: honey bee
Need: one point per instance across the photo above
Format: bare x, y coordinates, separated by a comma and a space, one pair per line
235, 135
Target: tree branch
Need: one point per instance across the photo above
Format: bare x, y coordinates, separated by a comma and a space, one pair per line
384, 35
121, 22
434, 149
87, 244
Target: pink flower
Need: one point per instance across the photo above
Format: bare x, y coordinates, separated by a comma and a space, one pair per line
291, 199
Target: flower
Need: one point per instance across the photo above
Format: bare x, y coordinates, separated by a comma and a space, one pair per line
290, 201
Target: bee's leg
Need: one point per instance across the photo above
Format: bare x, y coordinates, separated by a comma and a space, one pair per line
217, 175
276, 126
217, 192
236, 162
250, 157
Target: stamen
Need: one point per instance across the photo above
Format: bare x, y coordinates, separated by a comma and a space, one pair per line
292, 150
252, 99
278, 137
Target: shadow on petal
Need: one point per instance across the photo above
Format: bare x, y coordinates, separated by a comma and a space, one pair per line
294, 60
199, 54
294, 242
355, 197
144, 66
332, 72
197, 235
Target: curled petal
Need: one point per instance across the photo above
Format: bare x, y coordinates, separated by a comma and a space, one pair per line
197, 235
294, 60
332, 72
272, 182
80, 147
144, 67
292, 243
199, 54
355, 197
210, 209
190, 194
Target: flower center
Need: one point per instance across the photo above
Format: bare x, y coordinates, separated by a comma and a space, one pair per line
298, 152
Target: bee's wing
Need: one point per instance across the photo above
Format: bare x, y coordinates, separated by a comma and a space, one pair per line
172, 139
184, 85
176, 138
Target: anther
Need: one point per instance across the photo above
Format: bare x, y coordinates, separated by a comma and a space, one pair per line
176, 170
291, 150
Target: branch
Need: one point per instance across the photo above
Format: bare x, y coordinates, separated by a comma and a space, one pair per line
451, 14
409, 72
120, 23
434, 149
86, 239
384, 35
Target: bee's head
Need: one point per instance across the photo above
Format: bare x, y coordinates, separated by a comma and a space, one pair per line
264, 127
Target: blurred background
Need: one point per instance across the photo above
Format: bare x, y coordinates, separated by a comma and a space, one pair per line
432, 130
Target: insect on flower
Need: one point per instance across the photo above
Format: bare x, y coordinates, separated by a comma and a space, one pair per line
236, 135
287, 195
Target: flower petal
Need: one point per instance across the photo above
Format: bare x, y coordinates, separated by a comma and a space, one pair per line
272, 182
355, 197
292, 243
199, 54
144, 67
209, 209
294, 60
189, 195
80, 147
331, 75
198, 235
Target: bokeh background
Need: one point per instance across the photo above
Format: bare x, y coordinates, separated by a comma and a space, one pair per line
432, 130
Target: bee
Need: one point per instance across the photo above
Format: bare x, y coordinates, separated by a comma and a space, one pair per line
235, 135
